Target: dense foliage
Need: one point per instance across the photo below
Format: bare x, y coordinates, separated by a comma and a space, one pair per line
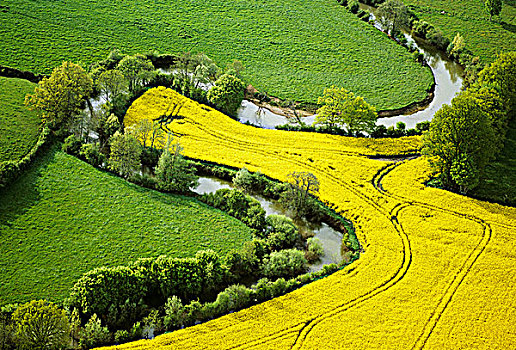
59, 97
40, 325
464, 137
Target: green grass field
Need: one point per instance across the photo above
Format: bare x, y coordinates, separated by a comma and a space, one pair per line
63, 217
484, 38
291, 48
19, 127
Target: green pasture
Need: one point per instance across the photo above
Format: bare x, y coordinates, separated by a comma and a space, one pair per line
483, 37
292, 49
63, 217
19, 127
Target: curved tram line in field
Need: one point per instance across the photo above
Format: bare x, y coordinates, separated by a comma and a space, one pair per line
377, 201
473, 256
392, 215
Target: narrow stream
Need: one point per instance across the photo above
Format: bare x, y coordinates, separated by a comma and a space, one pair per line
448, 79
331, 239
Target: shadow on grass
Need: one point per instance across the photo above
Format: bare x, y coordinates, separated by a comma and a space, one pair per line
508, 26
18, 197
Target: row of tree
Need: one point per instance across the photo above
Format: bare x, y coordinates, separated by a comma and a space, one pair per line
466, 135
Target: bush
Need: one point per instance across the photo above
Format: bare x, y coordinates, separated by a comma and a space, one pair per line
122, 336
72, 145
103, 288
174, 174
285, 263
40, 325
314, 249
90, 153
437, 38
280, 232
144, 180
249, 182
237, 204
379, 131
233, 298
94, 334
423, 126
150, 157
353, 6
174, 313
212, 271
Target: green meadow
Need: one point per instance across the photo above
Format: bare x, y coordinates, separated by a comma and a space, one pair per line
292, 49
63, 218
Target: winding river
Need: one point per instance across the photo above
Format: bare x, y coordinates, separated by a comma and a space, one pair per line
331, 239
448, 82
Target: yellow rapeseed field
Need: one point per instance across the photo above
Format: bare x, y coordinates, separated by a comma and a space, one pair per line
438, 270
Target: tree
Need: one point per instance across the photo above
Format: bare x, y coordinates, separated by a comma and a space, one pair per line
284, 263
340, 107
393, 15
493, 7
60, 96
173, 172
149, 133
333, 105
501, 76
300, 186
460, 136
193, 71
360, 116
94, 334
112, 83
137, 70
174, 313
39, 324
125, 154
227, 94
464, 173
458, 44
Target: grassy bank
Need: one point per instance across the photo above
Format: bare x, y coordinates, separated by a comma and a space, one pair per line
64, 217
292, 49
483, 37
19, 127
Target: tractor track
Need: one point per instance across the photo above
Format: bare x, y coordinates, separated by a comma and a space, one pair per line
390, 215
460, 275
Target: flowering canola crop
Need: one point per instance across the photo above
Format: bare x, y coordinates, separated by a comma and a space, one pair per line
437, 271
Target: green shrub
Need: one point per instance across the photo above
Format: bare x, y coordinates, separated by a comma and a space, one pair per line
249, 182
353, 6
233, 298
122, 336
174, 313
239, 205
280, 232
40, 325
94, 334
72, 145
285, 263
314, 249
91, 154
103, 288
